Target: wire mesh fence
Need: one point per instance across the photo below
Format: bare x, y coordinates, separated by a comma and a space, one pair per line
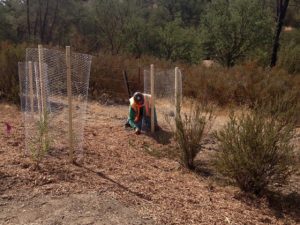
108, 82
167, 91
50, 110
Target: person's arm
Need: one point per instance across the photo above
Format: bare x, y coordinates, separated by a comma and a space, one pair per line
131, 117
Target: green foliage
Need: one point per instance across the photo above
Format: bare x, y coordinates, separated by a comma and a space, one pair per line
112, 17
138, 32
255, 151
42, 21
184, 30
176, 43
9, 82
289, 54
5, 26
277, 97
40, 144
289, 58
231, 29
192, 11
188, 11
190, 128
230, 32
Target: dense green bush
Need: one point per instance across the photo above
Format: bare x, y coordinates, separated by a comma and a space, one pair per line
255, 151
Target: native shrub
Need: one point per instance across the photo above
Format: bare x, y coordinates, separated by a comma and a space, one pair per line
190, 130
256, 151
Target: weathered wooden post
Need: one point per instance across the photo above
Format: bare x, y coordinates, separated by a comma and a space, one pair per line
30, 86
69, 89
42, 82
152, 79
37, 87
177, 96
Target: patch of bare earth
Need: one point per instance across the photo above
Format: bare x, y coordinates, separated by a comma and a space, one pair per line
125, 179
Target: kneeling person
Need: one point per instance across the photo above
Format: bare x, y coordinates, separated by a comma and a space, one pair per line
140, 112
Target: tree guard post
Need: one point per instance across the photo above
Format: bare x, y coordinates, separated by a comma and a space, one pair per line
42, 81
37, 87
43, 117
30, 86
69, 89
152, 98
126, 83
177, 97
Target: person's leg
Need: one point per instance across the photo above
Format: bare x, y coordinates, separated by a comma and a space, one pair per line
147, 122
139, 124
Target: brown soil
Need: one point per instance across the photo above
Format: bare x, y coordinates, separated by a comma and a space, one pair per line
125, 179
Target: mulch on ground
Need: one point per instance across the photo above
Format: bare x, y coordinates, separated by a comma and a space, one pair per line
134, 168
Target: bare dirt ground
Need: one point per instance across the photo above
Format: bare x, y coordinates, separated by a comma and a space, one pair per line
125, 179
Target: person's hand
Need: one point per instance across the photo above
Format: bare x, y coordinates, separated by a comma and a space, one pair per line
137, 131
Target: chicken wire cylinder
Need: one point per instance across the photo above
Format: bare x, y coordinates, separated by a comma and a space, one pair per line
45, 100
167, 87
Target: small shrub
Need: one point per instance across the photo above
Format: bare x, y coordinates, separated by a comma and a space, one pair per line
289, 54
277, 95
255, 151
190, 128
284, 108
41, 143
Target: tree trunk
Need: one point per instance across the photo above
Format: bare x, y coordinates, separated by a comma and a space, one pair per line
49, 37
40, 20
35, 26
43, 30
281, 11
28, 19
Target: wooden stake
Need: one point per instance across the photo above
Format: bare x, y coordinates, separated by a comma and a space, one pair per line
139, 74
152, 98
177, 97
69, 87
126, 83
37, 87
30, 86
43, 117
42, 81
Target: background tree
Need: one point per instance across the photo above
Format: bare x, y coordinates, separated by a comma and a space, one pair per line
5, 25
173, 42
112, 18
192, 11
186, 30
231, 29
282, 6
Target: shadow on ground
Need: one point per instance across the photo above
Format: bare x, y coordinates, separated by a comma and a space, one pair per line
204, 168
103, 176
285, 204
161, 136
